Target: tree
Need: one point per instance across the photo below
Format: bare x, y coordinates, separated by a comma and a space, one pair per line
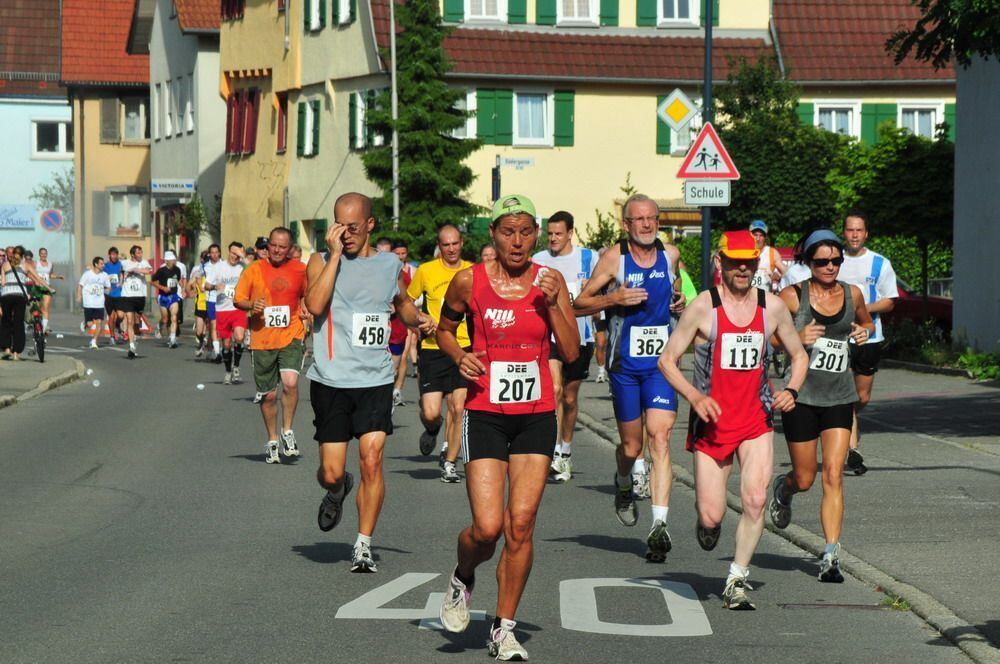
432, 171
609, 228
949, 30
58, 195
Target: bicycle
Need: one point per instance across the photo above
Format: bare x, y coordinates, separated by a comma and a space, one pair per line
34, 319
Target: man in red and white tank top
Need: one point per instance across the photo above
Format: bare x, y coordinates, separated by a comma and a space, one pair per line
509, 426
731, 399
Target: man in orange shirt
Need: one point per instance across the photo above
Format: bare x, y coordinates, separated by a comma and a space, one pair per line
272, 292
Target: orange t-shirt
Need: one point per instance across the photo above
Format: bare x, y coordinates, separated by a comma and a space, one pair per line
283, 286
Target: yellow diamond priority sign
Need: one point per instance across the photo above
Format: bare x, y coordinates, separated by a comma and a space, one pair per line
677, 110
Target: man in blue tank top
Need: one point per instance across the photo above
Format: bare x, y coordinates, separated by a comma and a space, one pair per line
641, 276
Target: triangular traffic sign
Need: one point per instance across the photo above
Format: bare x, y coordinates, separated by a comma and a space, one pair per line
707, 159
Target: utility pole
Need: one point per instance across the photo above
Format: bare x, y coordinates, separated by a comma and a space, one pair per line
395, 115
706, 114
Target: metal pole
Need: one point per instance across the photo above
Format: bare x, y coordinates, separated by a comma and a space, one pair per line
706, 114
395, 115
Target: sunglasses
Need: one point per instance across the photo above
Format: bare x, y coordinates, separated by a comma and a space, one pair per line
823, 262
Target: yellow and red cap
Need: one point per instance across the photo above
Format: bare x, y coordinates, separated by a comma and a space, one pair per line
738, 245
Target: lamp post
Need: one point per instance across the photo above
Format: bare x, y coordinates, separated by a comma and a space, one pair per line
395, 115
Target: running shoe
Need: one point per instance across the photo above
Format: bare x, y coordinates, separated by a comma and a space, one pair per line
271, 452
157, 333
503, 645
236, 375
734, 597
454, 612
707, 537
218, 358
625, 509
200, 351
565, 470
93, 344
602, 375
657, 542
427, 441
640, 485
363, 563
228, 379
111, 341
397, 399
856, 462
332, 508
442, 457
554, 466
131, 352
291, 448
781, 514
829, 568
83, 327
449, 475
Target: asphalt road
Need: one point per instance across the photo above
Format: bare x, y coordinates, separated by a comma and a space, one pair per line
139, 522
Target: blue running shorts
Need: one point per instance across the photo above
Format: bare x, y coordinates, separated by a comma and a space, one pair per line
633, 393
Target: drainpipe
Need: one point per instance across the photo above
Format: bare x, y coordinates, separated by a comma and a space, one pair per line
774, 38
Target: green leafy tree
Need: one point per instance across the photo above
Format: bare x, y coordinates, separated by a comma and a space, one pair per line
433, 175
609, 228
57, 194
949, 30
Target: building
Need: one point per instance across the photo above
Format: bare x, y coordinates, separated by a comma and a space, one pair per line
36, 129
109, 93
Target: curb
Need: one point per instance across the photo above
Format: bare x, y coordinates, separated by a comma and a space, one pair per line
969, 639
46, 385
923, 368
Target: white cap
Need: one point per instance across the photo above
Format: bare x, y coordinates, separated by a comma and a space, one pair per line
169, 256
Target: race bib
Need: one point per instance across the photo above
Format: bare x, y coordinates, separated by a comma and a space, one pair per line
760, 280
134, 287
229, 291
514, 382
829, 355
171, 283
114, 279
277, 316
370, 330
648, 341
95, 289
741, 351
574, 290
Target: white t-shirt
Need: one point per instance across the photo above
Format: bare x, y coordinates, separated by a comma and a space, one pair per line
211, 296
575, 269
769, 258
134, 284
797, 273
224, 277
857, 270
93, 285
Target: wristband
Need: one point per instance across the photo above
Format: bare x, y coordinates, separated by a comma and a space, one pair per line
793, 392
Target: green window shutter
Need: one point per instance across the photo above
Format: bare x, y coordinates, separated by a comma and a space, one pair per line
319, 228
322, 13
315, 113
662, 130
369, 105
545, 12
609, 12
645, 12
806, 113
335, 13
949, 117
715, 13
354, 10
454, 11
565, 103
872, 117
300, 145
306, 11
486, 116
352, 121
293, 228
505, 117
517, 11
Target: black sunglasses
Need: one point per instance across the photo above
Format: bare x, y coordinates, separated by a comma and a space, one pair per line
823, 262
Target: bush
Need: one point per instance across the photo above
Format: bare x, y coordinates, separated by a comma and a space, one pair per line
923, 343
980, 366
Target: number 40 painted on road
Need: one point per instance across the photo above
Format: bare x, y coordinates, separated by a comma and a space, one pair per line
577, 601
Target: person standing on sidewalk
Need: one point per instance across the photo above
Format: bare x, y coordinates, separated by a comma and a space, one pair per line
15, 274
827, 313
91, 290
872, 273
731, 401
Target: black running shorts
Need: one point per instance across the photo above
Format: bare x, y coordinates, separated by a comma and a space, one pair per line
438, 372
494, 436
340, 414
865, 358
804, 423
577, 370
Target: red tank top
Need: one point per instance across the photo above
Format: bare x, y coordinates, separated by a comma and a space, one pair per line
515, 336
397, 329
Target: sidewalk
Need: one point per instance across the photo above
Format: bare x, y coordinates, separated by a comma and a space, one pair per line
922, 523
29, 377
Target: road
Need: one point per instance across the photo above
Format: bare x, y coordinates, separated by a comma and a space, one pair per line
139, 522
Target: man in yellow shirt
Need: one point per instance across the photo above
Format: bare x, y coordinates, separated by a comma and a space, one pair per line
439, 376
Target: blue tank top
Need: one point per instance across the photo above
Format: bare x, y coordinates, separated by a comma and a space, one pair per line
114, 272
638, 334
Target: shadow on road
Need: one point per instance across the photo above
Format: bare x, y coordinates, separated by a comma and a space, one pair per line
962, 416
474, 638
337, 552
605, 543
285, 461
420, 473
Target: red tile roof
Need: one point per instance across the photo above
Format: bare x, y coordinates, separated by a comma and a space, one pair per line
29, 52
198, 14
844, 40
95, 35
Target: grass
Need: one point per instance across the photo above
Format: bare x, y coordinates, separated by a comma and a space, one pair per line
895, 603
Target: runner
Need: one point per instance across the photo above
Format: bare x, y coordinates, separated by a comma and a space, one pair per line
827, 312
214, 258
135, 270
168, 281
770, 267
872, 273
353, 289
272, 291
576, 264
401, 336
439, 377
487, 253
509, 429
231, 322
601, 337
731, 401
91, 290
44, 269
112, 303
644, 289
196, 290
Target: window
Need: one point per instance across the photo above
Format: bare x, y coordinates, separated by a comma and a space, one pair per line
315, 14
126, 214
677, 12
242, 109
282, 5
51, 139
282, 123
155, 105
921, 118
838, 117
467, 103
308, 143
532, 118
577, 11
177, 92
490, 10
232, 9
135, 120
168, 111
361, 134
189, 105
344, 11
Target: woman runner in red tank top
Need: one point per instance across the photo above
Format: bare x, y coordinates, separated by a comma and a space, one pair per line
509, 426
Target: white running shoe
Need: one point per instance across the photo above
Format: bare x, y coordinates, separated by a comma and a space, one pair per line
228, 379
93, 344
271, 452
454, 612
362, 562
640, 485
449, 474
602, 375
200, 351
734, 596
503, 645
397, 399
236, 375
564, 471
291, 449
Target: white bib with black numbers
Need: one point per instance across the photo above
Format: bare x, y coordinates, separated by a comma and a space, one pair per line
114, 279
95, 290
760, 280
229, 291
647, 341
741, 351
171, 283
277, 316
134, 287
829, 355
370, 330
515, 382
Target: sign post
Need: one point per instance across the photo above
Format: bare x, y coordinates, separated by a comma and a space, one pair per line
706, 114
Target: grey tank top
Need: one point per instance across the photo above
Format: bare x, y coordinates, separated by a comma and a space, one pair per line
829, 381
351, 341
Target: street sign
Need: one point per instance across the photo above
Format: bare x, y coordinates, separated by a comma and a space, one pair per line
707, 159
677, 110
701, 193
172, 186
52, 220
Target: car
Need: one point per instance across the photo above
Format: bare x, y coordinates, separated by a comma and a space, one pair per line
910, 306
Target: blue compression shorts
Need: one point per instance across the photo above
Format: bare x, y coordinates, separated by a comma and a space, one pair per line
633, 393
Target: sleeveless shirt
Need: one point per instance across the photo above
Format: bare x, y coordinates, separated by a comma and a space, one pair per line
829, 381
638, 334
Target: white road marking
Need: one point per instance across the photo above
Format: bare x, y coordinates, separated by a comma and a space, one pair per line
578, 608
